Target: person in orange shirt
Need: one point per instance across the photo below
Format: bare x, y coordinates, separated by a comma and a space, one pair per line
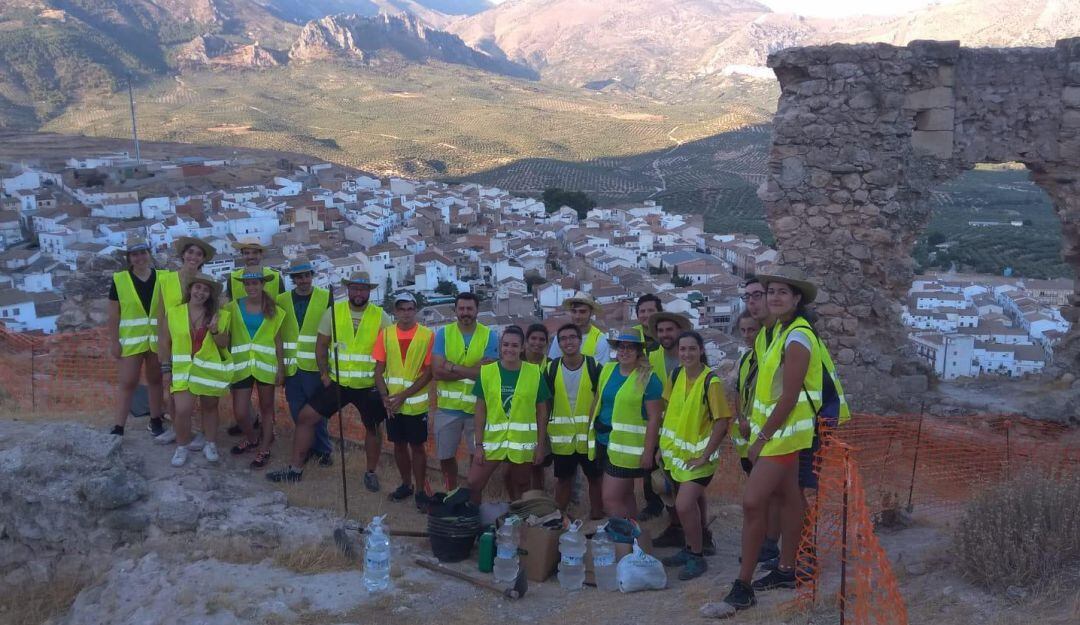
402, 355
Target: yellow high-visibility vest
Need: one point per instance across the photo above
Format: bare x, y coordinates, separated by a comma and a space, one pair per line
298, 336
254, 356
138, 330
208, 372
457, 394
355, 346
687, 427
402, 372
510, 435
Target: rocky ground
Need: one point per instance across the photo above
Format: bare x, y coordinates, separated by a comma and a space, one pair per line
98, 530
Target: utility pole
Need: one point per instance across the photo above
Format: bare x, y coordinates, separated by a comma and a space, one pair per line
134, 127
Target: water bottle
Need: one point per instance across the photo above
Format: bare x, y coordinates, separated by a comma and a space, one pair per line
572, 558
506, 552
486, 561
377, 556
603, 560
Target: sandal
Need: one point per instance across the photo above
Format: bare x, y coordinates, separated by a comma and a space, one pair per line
243, 447
261, 459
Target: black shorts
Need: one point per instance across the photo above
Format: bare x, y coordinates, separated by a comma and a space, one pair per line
566, 466
614, 471
248, 382
747, 466
407, 429
366, 400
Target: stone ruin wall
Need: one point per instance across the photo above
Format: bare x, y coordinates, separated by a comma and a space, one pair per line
861, 135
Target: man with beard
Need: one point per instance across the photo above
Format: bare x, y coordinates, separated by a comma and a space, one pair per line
356, 323
251, 252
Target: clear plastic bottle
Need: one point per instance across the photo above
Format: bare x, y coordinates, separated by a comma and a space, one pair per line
506, 551
603, 561
572, 558
377, 556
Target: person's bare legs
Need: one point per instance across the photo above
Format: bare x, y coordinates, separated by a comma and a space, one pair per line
304, 435
791, 520
154, 390
618, 497
128, 369
688, 505
241, 404
479, 475
536, 477
449, 467
419, 467
266, 414
596, 497
767, 477
209, 408
563, 489
185, 405
520, 479
403, 459
372, 447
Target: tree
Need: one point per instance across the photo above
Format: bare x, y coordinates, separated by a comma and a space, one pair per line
935, 238
555, 198
678, 280
534, 279
446, 288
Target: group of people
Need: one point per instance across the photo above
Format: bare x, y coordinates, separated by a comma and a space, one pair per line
638, 405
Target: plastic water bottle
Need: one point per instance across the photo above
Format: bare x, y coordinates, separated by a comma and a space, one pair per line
603, 561
572, 558
377, 556
506, 552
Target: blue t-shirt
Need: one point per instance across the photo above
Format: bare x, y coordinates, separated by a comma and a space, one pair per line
300, 305
251, 320
653, 390
491, 352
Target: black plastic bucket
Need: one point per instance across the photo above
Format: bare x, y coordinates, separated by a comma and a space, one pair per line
452, 538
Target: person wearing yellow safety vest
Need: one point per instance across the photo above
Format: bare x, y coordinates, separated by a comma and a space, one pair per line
258, 354
573, 380
789, 398
461, 348
695, 424
304, 306
402, 373
197, 362
251, 253
536, 343
646, 306
347, 376
511, 418
193, 253
582, 310
625, 427
133, 333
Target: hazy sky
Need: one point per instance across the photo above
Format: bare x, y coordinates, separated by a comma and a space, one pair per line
837, 8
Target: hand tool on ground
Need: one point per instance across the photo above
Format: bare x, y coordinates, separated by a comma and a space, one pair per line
517, 591
348, 545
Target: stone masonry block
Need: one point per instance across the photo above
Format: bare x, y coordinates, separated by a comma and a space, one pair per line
938, 97
1070, 119
937, 143
935, 119
946, 75
1070, 96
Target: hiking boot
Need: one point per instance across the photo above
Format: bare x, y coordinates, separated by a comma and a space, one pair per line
679, 559
741, 596
371, 481
672, 536
179, 456
288, 474
210, 451
708, 547
775, 579
651, 511
166, 438
197, 443
401, 493
771, 565
695, 567
769, 550
117, 430
261, 460
156, 426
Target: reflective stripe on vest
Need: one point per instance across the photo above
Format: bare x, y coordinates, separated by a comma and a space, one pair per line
687, 428
659, 366
797, 432
138, 331
568, 426
298, 336
457, 394
400, 373
592, 339
209, 371
745, 389
510, 436
626, 442
355, 345
254, 356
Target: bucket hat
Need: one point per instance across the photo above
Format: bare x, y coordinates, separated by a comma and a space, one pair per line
793, 276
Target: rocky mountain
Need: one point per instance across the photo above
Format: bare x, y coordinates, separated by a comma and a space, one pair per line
217, 52
369, 39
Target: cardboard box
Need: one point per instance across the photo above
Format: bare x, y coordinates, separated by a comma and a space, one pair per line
540, 547
621, 549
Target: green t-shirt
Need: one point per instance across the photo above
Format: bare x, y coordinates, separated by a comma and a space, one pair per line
508, 383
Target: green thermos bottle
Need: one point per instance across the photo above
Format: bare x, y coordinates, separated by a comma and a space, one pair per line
487, 550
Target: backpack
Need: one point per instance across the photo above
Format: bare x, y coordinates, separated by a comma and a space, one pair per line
709, 375
591, 368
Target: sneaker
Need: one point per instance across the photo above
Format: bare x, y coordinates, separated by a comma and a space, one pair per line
695, 567
651, 511
288, 474
401, 493
167, 437
210, 451
198, 442
422, 501
243, 447
771, 564
371, 481
775, 579
672, 536
262, 458
156, 426
117, 430
769, 550
741, 596
679, 559
708, 547
179, 456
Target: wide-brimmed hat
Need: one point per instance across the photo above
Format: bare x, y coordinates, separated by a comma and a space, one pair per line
362, 278
787, 274
207, 279
582, 298
255, 273
183, 243
626, 336
680, 320
300, 265
249, 243
136, 244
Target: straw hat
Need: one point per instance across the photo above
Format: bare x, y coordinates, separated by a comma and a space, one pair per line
136, 244
249, 243
300, 264
680, 320
361, 278
627, 336
182, 244
793, 276
208, 280
255, 273
582, 298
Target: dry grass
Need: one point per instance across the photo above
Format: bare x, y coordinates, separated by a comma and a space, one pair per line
36, 604
1022, 532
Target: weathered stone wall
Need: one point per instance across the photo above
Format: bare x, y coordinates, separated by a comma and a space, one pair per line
862, 133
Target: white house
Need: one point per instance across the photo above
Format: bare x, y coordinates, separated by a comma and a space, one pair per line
26, 312
156, 207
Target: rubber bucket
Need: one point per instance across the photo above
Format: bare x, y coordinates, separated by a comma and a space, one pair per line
452, 538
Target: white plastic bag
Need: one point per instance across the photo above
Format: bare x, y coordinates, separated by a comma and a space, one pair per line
640, 571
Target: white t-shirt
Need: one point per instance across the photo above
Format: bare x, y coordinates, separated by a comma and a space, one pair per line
571, 381
800, 336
